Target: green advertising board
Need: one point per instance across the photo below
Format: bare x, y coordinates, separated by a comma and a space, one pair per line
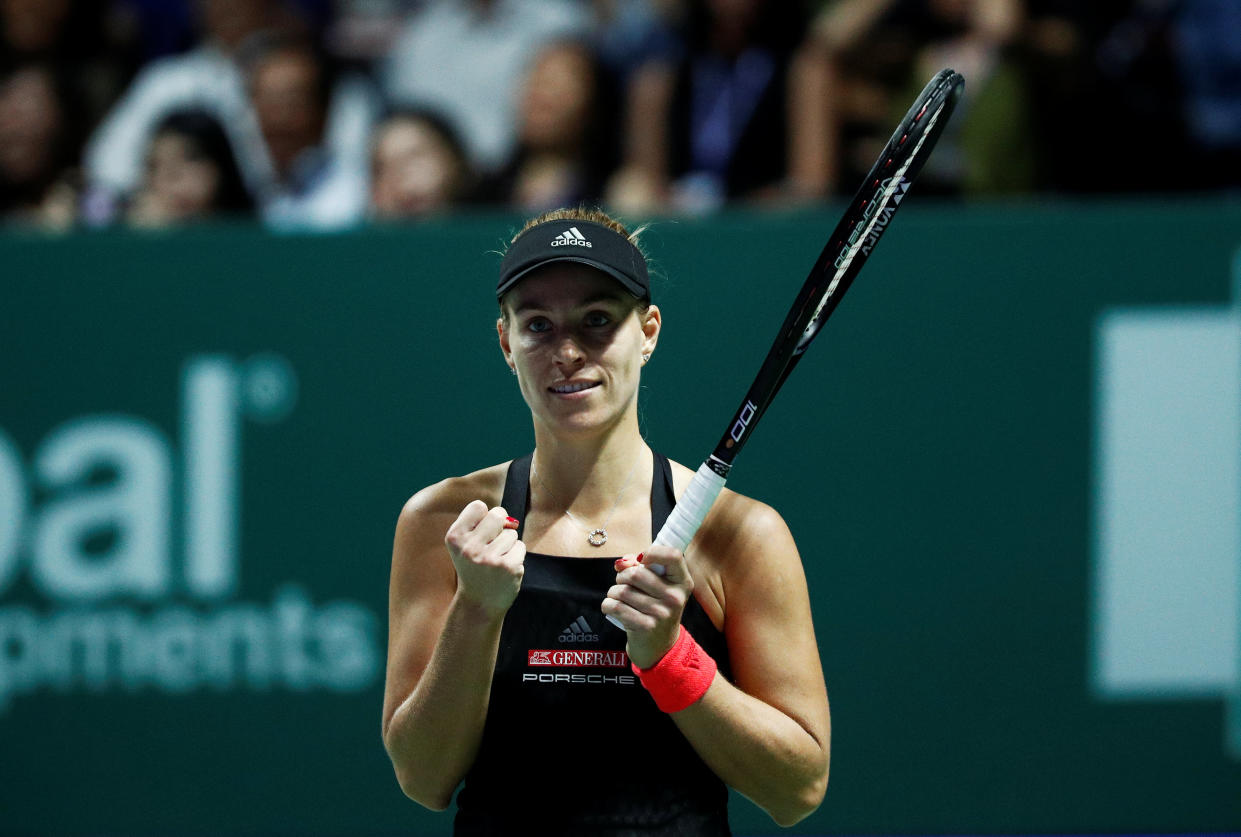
1011, 463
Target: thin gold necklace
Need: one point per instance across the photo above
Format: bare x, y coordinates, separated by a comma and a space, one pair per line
598, 536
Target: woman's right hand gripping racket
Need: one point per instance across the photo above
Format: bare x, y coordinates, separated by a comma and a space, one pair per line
851, 243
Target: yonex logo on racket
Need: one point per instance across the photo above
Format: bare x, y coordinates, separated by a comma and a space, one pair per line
571, 237
873, 229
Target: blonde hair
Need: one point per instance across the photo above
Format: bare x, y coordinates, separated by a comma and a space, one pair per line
584, 213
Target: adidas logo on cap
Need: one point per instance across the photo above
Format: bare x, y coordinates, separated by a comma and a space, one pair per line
571, 237
579, 631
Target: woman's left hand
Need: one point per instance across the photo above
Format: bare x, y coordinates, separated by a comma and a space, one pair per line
649, 605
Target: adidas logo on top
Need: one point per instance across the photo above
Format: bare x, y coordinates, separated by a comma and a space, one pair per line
579, 631
571, 237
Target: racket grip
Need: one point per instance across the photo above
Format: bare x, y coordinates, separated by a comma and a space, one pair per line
691, 510
687, 515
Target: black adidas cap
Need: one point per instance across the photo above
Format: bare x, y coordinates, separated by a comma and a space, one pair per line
571, 240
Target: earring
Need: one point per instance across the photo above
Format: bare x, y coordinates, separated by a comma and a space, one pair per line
645, 357
513, 369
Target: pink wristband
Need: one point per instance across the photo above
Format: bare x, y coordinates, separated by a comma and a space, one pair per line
681, 677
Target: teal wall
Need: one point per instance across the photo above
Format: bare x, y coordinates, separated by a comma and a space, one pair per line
205, 439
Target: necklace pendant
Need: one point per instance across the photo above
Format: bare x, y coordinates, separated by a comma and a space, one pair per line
597, 537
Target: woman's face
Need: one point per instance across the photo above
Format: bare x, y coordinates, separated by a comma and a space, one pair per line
31, 26
30, 119
576, 340
414, 171
183, 183
284, 91
556, 102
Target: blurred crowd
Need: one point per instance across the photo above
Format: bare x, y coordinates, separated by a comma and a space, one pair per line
325, 114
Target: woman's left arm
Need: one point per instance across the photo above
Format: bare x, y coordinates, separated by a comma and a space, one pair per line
767, 734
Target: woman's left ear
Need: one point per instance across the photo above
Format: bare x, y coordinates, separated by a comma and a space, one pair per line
652, 321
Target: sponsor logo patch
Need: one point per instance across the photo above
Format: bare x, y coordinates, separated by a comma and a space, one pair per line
577, 659
578, 631
546, 678
572, 237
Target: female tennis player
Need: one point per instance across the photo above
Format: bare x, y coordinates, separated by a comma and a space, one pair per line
503, 672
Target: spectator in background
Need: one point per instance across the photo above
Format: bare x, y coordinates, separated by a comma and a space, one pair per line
566, 133
167, 27
191, 174
208, 78
986, 148
316, 183
735, 119
1051, 48
629, 33
884, 51
465, 59
418, 167
84, 44
38, 149
33, 28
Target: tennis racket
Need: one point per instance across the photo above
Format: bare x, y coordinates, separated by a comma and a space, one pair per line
852, 242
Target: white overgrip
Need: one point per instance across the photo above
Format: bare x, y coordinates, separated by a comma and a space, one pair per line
691, 510
687, 515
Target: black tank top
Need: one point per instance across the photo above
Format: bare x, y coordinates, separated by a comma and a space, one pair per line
573, 745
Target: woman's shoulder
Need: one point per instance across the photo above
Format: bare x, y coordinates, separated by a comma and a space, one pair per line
735, 520
422, 572
449, 496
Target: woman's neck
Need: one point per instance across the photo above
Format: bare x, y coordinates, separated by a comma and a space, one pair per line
589, 476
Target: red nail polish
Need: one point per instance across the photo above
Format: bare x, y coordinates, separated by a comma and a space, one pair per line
618, 564
640, 554
512, 520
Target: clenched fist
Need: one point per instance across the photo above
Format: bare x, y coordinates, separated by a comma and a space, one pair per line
489, 559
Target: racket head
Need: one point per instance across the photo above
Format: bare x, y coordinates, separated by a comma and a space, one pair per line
876, 200
857, 233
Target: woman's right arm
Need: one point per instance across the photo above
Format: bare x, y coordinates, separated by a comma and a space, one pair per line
452, 582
